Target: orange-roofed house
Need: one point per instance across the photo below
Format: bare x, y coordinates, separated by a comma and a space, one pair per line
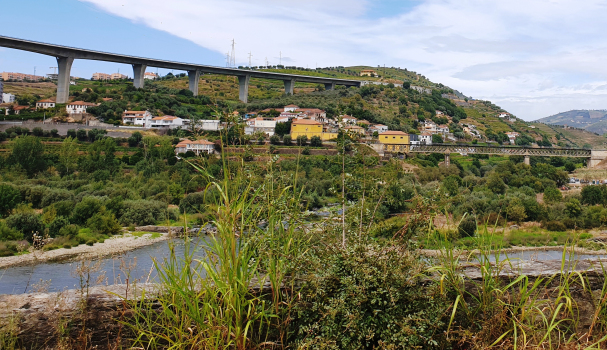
139, 118
44, 104
355, 129
291, 108
198, 147
78, 107
392, 138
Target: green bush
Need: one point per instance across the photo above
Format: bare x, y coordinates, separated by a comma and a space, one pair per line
143, 212
286, 140
55, 195
69, 231
56, 225
364, 297
554, 225
84, 210
9, 234
9, 198
316, 141
552, 195
104, 223
467, 227
27, 223
8, 249
275, 140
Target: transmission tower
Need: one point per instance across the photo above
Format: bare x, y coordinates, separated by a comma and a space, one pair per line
228, 59
250, 55
233, 54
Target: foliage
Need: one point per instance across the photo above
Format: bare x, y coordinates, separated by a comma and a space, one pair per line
104, 222
9, 198
9, 234
28, 153
393, 312
27, 223
143, 212
467, 227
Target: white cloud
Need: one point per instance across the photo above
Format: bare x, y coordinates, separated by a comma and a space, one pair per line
533, 57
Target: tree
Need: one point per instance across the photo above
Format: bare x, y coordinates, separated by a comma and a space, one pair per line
286, 140
516, 211
282, 129
570, 167
81, 135
302, 140
467, 227
54, 132
436, 138
68, 154
406, 85
552, 195
37, 131
9, 198
496, 184
275, 139
451, 184
28, 152
27, 223
593, 195
135, 139
71, 133
316, 141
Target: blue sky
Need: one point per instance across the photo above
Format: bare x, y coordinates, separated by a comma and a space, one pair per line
532, 57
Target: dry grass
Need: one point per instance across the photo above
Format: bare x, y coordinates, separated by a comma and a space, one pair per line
42, 89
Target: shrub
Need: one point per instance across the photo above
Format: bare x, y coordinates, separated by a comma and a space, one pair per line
84, 210
362, 297
275, 140
37, 131
56, 225
104, 223
595, 194
71, 133
467, 227
55, 195
54, 132
9, 234
9, 198
69, 231
302, 140
316, 141
135, 139
67, 246
143, 212
554, 226
27, 223
306, 151
552, 195
3, 136
286, 140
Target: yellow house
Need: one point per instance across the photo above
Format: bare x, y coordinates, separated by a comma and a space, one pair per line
393, 140
306, 127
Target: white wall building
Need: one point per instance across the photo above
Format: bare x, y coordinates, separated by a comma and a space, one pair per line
198, 146
139, 118
265, 125
168, 121
209, 125
44, 104
425, 138
150, 76
379, 128
78, 107
291, 108
8, 98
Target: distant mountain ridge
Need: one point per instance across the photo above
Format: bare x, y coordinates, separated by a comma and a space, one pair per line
590, 120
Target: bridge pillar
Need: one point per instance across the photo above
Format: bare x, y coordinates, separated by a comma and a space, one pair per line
329, 86
138, 75
527, 160
447, 159
289, 86
63, 80
194, 78
243, 82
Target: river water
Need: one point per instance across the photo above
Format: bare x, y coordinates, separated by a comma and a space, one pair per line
136, 265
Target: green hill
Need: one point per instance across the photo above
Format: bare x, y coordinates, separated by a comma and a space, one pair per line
591, 120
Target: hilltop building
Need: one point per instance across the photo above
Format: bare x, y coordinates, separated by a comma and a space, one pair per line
150, 76
6, 76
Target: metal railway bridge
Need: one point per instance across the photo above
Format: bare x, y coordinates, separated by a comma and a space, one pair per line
593, 156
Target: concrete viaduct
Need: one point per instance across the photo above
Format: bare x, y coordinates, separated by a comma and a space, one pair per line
593, 157
66, 55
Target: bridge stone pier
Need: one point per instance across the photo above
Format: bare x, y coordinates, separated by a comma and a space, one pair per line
329, 86
596, 157
63, 80
193, 80
66, 55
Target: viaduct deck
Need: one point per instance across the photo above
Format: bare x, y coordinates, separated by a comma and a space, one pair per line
594, 156
66, 55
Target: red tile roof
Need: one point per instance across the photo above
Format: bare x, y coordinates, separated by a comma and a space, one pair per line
306, 122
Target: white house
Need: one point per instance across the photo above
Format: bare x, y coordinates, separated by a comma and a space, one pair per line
167, 121
78, 107
266, 125
44, 104
8, 98
425, 138
378, 127
443, 129
512, 136
139, 118
346, 119
209, 124
150, 76
504, 115
291, 108
198, 146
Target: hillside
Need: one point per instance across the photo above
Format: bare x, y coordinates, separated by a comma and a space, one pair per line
398, 108
591, 120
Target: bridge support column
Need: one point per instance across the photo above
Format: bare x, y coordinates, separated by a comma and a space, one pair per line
243, 82
447, 159
527, 160
63, 81
194, 77
289, 86
138, 75
330, 86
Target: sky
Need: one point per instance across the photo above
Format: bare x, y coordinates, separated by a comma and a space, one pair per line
534, 58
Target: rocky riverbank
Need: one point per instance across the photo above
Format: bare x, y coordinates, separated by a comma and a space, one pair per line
111, 246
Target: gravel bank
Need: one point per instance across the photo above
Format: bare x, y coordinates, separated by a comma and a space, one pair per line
114, 245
